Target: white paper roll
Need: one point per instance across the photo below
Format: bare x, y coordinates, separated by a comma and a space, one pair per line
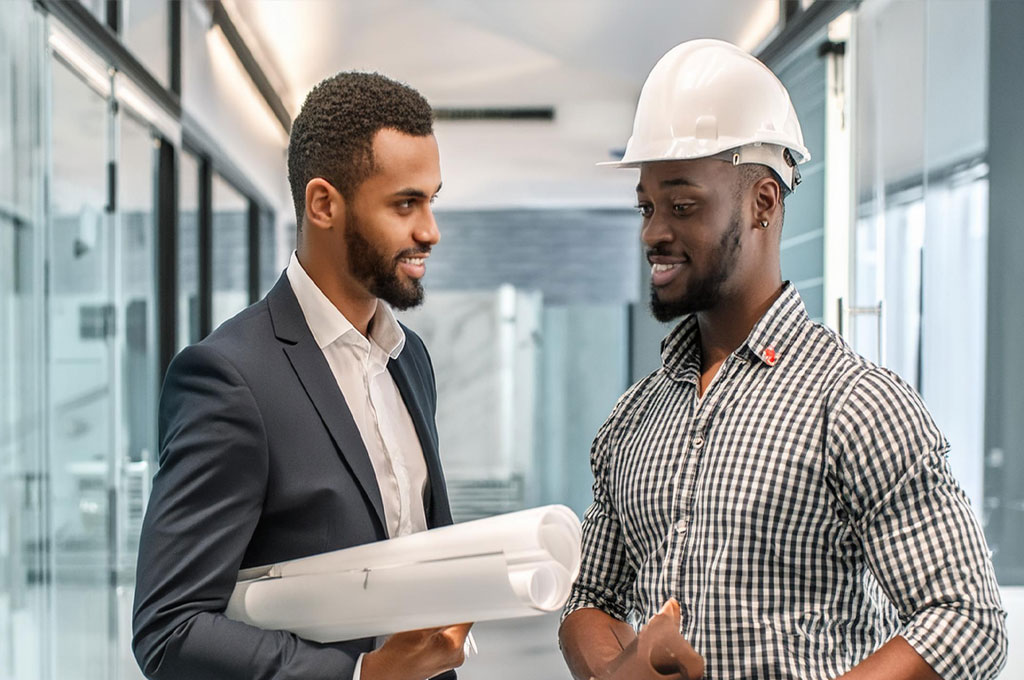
519, 564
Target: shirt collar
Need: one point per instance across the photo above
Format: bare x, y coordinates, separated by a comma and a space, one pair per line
772, 335
767, 341
328, 324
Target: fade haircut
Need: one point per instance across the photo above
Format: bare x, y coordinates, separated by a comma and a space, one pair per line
332, 137
751, 173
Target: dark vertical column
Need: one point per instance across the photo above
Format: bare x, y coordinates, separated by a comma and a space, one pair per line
167, 255
205, 248
113, 11
174, 41
1004, 361
254, 251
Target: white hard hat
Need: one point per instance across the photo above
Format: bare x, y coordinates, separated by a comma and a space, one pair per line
709, 98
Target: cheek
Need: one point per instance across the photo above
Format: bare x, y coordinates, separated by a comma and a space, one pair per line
382, 231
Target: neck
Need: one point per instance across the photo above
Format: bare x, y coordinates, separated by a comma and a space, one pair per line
725, 327
348, 297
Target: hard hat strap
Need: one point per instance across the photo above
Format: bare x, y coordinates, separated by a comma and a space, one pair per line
776, 157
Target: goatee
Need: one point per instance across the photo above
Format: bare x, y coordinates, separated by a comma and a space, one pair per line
379, 272
706, 292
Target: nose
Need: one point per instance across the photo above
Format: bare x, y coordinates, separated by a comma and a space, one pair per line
655, 231
427, 232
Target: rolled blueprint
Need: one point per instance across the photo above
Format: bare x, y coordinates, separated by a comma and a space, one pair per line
508, 566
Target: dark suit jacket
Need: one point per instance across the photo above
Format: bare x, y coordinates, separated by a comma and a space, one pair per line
260, 461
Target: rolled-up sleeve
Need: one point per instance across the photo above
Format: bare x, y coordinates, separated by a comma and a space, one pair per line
606, 577
921, 539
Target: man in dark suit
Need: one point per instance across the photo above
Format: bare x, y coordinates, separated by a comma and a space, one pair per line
305, 424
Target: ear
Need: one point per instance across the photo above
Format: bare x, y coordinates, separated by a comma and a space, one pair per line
767, 200
325, 206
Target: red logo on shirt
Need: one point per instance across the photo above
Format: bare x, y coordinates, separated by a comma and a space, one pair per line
769, 355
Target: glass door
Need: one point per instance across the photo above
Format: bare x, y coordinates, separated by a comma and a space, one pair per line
136, 365
81, 318
101, 365
23, 604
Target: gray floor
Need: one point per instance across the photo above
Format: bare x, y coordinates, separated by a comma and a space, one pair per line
517, 648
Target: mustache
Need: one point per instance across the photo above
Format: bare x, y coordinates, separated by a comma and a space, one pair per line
658, 251
413, 252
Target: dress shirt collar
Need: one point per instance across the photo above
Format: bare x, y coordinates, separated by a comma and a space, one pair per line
328, 324
767, 341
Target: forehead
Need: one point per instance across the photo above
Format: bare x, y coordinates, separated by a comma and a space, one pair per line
700, 174
408, 160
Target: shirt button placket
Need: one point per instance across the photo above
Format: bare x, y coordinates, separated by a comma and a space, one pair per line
682, 522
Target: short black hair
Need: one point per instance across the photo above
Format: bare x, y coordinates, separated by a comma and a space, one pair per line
332, 137
751, 173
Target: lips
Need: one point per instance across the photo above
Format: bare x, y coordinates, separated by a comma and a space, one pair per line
662, 274
664, 268
413, 265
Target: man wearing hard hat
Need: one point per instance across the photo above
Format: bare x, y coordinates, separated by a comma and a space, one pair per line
767, 495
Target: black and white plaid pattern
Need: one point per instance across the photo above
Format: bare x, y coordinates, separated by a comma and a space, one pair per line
802, 512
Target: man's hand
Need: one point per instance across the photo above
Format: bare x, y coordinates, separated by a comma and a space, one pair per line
417, 654
659, 652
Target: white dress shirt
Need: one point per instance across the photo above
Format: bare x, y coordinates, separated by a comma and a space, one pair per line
359, 365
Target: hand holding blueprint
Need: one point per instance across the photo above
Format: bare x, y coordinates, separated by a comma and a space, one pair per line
508, 566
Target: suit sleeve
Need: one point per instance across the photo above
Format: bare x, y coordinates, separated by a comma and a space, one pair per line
206, 501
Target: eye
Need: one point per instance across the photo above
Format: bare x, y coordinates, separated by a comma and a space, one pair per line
645, 210
682, 208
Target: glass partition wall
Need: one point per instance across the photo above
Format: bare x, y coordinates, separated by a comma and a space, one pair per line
81, 215
23, 568
101, 368
921, 195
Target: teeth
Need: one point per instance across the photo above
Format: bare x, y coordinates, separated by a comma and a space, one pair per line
655, 268
414, 260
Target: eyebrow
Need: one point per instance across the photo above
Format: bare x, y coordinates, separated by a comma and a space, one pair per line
415, 193
676, 182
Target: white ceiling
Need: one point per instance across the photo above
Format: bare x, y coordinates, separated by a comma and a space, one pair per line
586, 58
493, 52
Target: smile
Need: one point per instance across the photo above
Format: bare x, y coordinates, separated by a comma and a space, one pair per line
414, 267
662, 274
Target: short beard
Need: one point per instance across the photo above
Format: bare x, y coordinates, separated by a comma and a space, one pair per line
379, 273
707, 292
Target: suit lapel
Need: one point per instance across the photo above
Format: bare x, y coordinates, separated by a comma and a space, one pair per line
414, 396
315, 374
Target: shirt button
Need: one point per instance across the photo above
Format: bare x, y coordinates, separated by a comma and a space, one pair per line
698, 442
680, 526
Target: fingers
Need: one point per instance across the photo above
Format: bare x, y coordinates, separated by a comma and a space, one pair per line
667, 649
457, 633
669, 611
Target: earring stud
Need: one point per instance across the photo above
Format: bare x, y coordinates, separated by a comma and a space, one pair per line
764, 224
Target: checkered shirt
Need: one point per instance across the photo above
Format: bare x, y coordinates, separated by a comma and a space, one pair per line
802, 511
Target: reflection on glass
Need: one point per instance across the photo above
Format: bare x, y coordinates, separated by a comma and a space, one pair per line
146, 33
80, 379
269, 269
22, 548
136, 343
188, 251
922, 213
230, 251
